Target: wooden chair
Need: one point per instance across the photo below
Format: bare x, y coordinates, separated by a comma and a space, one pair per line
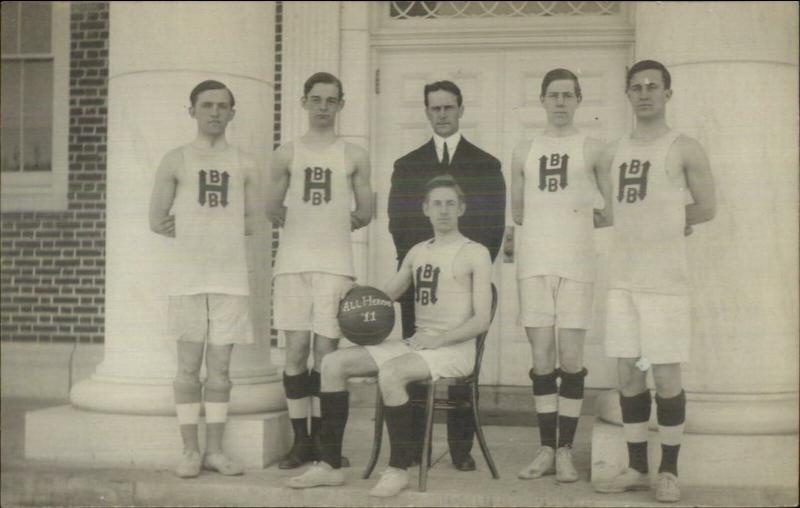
431, 403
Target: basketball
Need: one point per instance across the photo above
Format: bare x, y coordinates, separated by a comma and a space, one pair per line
366, 315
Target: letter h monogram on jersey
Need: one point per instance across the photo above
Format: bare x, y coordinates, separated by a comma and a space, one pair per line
317, 186
633, 181
214, 188
553, 172
425, 284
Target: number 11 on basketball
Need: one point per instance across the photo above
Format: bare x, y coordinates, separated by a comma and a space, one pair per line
369, 316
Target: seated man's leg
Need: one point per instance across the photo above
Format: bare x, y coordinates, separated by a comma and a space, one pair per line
393, 378
337, 367
415, 391
217, 396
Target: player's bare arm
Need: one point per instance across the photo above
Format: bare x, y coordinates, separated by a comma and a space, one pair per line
252, 185
700, 182
163, 195
361, 186
401, 280
278, 184
600, 157
518, 180
474, 261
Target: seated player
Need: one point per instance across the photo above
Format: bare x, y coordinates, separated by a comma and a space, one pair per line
451, 276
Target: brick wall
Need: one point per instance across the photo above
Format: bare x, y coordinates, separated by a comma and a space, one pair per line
53, 263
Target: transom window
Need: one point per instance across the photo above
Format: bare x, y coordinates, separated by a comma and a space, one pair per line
401, 9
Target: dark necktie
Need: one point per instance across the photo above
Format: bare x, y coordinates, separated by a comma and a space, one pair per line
445, 157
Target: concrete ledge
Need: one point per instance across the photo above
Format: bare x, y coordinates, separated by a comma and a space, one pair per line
706, 459
66, 434
46, 371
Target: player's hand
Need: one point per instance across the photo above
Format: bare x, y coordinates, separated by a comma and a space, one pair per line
357, 221
687, 230
420, 341
166, 226
279, 218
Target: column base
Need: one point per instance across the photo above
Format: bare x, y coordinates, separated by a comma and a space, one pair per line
706, 459
63, 433
157, 399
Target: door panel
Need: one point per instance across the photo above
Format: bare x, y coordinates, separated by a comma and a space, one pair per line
501, 99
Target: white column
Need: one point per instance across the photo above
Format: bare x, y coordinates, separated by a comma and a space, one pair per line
158, 53
354, 121
734, 74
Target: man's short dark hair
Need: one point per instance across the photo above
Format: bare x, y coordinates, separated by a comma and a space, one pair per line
447, 86
445, 181
206, 85
557, 74
322, 77
644, 65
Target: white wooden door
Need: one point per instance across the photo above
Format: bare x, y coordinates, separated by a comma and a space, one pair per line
501, 98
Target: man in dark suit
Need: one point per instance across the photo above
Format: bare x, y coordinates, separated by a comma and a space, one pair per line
478, 173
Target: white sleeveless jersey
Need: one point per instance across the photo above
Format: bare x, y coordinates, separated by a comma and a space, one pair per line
649, 251
209, 223
316, 234
557, 235
441, 302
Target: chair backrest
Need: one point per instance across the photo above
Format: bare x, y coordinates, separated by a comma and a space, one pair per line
480, 340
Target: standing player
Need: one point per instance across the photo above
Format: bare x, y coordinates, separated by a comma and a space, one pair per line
648, 298
451, 277
317, 175
210, 186
554, 192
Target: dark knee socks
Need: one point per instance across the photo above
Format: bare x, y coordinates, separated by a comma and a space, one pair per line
570, 400
297, 395
334, 407
635, 418
545, 396
671, 415
401, 439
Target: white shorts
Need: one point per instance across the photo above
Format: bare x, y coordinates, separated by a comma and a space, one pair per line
650, 325
220, 319
448, 361
550, 300
309, 301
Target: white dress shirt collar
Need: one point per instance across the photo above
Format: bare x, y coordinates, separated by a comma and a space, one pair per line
452, 144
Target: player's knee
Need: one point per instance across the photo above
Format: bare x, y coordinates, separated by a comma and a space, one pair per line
333, 368
186, 383
668, 384
219, 383
571, 361
389, 376
297, 355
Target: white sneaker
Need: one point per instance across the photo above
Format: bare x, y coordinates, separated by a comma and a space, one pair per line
222, 464
189, 466
321, 474
392, 482
565, 469
667, 490
543, 464
627, 479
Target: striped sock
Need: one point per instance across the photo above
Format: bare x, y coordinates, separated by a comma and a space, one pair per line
545, 397
188, 414
570, 400
297, 401
671, 414
314, 384
635, 419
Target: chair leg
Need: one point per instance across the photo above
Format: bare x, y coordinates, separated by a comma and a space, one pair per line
425, 460
479, 433
378, 435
